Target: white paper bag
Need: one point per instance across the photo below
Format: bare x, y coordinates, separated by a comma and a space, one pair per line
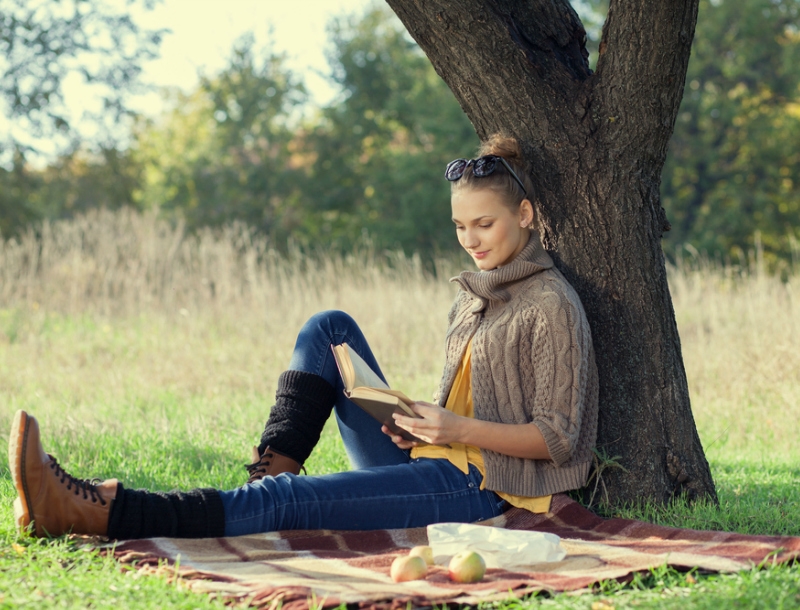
500, 548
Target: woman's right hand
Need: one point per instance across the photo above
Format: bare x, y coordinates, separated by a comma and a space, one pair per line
398, 440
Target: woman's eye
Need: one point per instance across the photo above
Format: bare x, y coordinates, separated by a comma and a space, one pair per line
486, 226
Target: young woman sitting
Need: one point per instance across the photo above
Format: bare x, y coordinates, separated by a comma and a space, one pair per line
514, 422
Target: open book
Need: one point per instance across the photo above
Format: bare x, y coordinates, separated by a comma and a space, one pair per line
363, 386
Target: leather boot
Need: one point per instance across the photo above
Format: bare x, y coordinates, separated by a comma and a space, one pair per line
54, 501
303, 403
271, 463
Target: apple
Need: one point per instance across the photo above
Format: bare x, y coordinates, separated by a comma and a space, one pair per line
466, 566
425, 552
408, 567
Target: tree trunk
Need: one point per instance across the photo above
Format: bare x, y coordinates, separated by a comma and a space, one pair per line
596, 143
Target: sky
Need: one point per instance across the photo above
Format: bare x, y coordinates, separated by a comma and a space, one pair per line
202, 35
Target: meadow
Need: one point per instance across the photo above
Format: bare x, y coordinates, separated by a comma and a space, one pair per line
152, 355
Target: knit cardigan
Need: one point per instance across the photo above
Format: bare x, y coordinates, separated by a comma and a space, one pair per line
532, 361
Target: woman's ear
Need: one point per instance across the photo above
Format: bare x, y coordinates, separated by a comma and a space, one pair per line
525, 213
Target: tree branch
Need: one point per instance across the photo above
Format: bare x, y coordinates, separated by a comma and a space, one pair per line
537, 47
642, 68
550, 33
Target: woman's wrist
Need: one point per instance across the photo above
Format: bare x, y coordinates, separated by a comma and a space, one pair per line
467, 430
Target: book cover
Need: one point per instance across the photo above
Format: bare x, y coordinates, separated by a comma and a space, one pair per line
364, 387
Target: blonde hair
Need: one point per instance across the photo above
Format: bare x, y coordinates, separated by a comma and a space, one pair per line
501, 181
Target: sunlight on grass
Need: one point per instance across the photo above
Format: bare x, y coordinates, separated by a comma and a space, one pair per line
153, 356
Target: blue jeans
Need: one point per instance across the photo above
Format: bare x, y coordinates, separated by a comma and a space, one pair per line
386, 490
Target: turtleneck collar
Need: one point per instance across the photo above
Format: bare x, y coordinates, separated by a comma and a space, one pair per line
492, 285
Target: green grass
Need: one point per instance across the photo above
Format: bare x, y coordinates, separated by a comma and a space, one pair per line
59, 574
154, 379
755, 497
56, 574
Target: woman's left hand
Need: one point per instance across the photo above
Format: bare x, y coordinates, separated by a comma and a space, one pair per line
438, 426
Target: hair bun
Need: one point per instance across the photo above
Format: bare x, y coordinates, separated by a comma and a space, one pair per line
502, 146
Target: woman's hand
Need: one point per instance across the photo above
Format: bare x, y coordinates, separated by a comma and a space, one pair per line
437, 426
398, 440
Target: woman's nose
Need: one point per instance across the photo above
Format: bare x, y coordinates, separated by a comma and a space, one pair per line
470, 239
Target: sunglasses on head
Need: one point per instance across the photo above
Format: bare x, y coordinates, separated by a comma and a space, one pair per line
481, 167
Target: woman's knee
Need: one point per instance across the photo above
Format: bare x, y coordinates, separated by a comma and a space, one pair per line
330, 322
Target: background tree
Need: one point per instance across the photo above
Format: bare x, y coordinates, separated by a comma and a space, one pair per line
380, 149
596, 143
734, 161
239, 147
223, 152
16, 184
41, 44
79, 180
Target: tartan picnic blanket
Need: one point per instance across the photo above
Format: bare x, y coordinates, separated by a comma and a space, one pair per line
296, 570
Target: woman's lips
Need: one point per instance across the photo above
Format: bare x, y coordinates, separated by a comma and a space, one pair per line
483, 254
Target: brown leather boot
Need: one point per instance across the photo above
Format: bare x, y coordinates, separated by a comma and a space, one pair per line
271, 463
56, 502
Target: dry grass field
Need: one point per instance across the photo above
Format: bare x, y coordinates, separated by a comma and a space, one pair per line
117, 324
740, 332
106, 317
152, 356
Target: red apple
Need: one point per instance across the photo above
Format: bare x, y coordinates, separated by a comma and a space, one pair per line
466, 566
408, 567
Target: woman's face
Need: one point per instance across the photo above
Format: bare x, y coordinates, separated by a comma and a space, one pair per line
490, 231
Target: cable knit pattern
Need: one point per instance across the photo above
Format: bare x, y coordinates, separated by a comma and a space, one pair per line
532, 361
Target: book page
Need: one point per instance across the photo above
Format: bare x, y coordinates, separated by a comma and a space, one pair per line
363, 386
344, 365
398, 394
365, 377
362, 374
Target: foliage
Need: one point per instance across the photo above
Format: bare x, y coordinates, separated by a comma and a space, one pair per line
380, 151
42, 45
245, 145
369, 163
80, 181
732, 173
77, 181
225, 151
16, 185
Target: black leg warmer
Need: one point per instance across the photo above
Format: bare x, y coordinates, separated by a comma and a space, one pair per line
137, 513
303, 403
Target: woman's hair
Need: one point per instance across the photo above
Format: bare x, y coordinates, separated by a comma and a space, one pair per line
500, 181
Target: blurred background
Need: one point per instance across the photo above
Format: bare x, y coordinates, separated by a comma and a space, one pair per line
321, 124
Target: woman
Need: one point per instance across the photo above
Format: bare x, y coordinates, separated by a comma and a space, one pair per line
519, 391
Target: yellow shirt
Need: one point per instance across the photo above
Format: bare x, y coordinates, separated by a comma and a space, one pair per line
461, 456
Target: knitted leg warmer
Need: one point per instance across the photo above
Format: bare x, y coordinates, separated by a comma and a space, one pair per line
303, 403
137, 513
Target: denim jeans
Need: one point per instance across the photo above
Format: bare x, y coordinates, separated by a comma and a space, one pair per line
386, 489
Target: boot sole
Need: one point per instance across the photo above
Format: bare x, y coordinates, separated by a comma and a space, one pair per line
17, 443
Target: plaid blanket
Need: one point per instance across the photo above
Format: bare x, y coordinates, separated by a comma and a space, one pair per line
300, 569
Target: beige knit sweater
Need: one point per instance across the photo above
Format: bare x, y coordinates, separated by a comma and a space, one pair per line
532, 361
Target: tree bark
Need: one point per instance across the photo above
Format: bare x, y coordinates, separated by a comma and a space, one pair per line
596, 143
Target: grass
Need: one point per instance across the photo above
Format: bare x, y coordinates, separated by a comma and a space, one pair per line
153, 357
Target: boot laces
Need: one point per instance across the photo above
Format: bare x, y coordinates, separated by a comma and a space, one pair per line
86, 486
258, 470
